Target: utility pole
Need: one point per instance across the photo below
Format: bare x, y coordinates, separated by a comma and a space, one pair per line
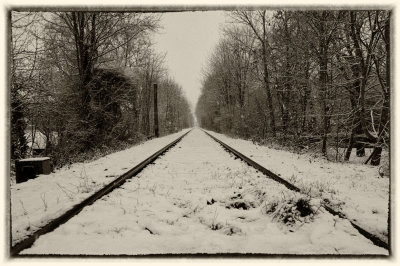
156, 131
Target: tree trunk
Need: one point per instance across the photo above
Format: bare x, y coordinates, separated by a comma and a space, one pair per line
85, 53
287, 86
356, 124
307, 93
155, 105
146, 113
266, 79
323, 80
361, 70
376, 154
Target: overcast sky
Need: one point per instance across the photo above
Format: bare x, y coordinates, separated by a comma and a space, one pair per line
188, 38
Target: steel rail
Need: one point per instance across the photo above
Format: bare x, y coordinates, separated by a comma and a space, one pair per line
53, 224
375, 239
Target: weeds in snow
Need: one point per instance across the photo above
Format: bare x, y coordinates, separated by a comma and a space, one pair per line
153, 189
170, 222
43, 197
23, 207
237, 178
293, 179
240, 205
214, 225
307, 191
189, 213
67, 192
195, 209
335, 204
271, 206
135, 206
215, 175
29, 225
118, 229
86, 185
291, 211
122, 207
314, 189
232, 230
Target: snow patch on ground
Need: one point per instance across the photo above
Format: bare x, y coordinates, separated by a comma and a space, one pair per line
197, 198
357, 190
35, 202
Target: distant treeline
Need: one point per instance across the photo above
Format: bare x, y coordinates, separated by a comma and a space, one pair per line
84, 80
302, 78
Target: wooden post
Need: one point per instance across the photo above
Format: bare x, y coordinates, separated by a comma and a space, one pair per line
156, 131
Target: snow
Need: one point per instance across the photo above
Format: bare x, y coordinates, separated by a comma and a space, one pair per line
35, 159
197, 198
35, 202
35, 138
357, 190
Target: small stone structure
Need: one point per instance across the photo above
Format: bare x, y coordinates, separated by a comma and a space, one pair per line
31, 167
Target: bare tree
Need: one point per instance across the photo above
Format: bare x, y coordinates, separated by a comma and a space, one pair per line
258, 22
325, 71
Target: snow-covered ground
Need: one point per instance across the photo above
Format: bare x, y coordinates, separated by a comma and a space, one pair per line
198, 199
35, 202
355, 189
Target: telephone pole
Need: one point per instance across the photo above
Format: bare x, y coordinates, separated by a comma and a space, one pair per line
156, 131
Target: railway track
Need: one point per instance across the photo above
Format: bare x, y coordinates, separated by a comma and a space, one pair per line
27, 243
375, 239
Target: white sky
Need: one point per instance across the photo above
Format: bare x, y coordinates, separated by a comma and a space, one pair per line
188, 38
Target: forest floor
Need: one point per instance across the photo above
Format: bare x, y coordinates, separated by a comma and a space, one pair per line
197, 198
351, 187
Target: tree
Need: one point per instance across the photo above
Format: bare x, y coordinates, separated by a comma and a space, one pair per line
24, 54
258, 22
18, 125
84, 80
382, 134
324, 71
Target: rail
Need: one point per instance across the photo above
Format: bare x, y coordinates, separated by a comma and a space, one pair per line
375, 239
53, 224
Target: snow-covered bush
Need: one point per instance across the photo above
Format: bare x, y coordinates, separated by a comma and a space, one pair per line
294, 210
